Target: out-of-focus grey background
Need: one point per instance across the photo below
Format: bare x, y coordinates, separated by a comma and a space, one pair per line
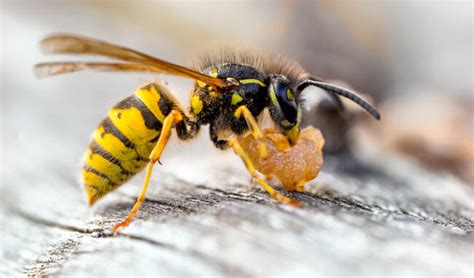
414, 59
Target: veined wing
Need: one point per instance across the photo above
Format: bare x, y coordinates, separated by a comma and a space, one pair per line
71, 44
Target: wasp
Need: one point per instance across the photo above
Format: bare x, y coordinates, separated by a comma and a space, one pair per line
231, 91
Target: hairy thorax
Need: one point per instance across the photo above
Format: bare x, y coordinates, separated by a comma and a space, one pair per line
214, 106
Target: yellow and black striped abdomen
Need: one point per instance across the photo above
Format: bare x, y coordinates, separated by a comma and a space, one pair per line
122, 143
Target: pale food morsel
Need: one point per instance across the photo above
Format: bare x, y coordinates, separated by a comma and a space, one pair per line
293, 166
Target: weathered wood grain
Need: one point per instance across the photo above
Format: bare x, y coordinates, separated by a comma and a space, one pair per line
357, 219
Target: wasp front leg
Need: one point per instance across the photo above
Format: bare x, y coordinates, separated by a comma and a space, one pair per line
243, 111
234, 143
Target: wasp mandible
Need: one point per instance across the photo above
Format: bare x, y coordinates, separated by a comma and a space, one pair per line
232, 89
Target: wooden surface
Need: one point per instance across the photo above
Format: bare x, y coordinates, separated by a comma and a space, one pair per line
202, 217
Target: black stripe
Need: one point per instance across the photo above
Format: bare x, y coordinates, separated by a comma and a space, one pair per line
93, 186
110, 128
97, 149
165, 105
93, 171
151, 122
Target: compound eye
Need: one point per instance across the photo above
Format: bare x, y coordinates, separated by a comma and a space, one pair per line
287, 102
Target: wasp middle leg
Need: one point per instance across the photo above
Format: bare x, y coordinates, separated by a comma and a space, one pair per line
243, 111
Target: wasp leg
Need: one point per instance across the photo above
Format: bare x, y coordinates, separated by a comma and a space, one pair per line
253, 125
251, 169
174, 117
250, 119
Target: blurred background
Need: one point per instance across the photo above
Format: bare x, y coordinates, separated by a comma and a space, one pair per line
413, 59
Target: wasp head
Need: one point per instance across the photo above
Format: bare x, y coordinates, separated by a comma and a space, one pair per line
284, 107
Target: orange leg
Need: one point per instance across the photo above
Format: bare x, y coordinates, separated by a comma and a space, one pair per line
251, 169
253, 125
173, 117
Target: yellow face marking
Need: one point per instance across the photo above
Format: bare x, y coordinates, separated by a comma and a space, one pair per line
251, 80
150, 98
289, 95
236, 99
102, 165
131, 123
196, 104
273, 97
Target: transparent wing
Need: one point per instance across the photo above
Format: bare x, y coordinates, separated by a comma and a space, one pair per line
71, 44
50, 69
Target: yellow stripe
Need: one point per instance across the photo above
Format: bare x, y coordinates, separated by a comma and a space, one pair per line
145, 149
289, 95
131, 124
102, 165
113, 145
133, 166
251, 80
96, 186
150, 98
116, 149
273, 97
90, 178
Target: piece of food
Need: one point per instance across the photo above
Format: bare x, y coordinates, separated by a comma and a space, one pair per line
293, 166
